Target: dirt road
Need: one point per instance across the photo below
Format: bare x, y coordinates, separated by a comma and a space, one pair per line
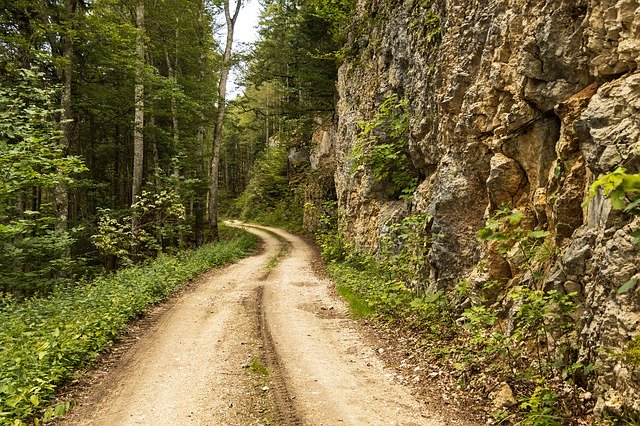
202, 362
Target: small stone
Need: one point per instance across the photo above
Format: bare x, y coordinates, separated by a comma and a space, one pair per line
502, 397
265, 388
585, 396
380, 351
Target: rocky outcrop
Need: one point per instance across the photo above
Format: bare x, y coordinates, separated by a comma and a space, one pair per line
513, 102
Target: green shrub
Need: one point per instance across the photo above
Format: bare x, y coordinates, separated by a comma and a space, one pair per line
383, 145
42, 340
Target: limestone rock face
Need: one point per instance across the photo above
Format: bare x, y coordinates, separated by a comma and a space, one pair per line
513, 102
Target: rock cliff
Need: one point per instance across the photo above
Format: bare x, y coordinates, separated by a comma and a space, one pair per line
513, 102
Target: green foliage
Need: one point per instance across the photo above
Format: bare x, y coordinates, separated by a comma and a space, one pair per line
332, 246
383, 145
628, 286
623, 190
620, 187
632, 353
534, 343
258, 367
270, 197
540, 408
338, 13
359, 307
297, 51
159, 217
365, 283
404, 250
34, 246
426, 22
43, 339
527, 247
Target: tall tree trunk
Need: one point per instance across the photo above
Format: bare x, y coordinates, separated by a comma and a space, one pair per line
174, 103
138, 121
174, 120
200, 195
199, 201
61, 192
217, 138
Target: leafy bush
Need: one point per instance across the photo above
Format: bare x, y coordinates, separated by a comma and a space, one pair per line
43, 339
404, 250
526, 247
368, 288
623, 189
158, 216
383, 147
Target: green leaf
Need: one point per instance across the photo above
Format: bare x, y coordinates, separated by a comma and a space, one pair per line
538, 234
515, 217
35, 400
628, 286
617, 198
632, 205
484, 234
48, 415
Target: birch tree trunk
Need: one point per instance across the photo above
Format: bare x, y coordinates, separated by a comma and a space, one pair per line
217, 138
138, 138
138, 121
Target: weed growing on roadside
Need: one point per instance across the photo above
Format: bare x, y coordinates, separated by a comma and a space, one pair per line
258, 367
404, 250
526, 248
540, 408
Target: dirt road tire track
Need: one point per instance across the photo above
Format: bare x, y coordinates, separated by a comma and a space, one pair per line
190, 368
285, 410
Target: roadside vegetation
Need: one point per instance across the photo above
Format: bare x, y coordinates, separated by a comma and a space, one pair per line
504, 332
43, 339
509, 331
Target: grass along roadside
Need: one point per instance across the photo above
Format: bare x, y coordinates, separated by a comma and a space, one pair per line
43, 340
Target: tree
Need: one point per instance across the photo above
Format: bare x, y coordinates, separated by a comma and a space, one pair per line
217, 139
33, 246
138, 126
104, 64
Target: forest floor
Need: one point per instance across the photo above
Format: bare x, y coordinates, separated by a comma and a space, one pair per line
265, 341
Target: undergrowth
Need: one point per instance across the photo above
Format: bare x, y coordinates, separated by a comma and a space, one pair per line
42, 340
527, 339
